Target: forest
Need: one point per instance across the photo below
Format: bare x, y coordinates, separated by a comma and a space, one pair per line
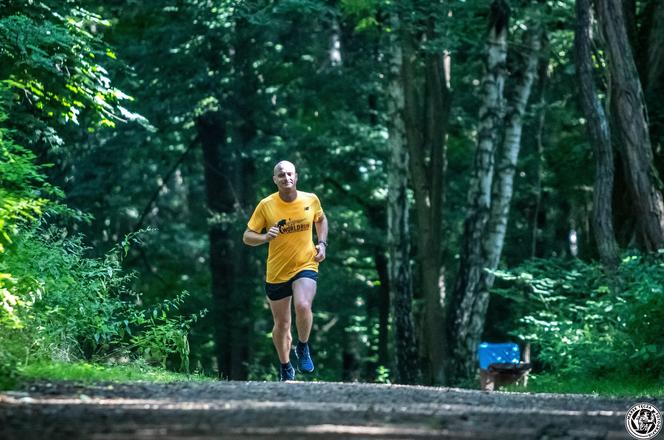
490, 171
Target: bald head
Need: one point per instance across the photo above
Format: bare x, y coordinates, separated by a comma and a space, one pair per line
285, 176
283, 165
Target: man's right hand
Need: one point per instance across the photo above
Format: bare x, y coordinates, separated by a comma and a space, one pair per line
272, 233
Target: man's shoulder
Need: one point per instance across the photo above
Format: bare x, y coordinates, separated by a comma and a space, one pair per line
268, 199
307, 195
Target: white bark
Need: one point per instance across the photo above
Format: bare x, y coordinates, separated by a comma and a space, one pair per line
479, 195
503, 187
397, 226
489, 201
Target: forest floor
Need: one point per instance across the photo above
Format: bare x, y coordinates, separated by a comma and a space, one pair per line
301, 410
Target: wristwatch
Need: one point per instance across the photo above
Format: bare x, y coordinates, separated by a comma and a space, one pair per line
323, 242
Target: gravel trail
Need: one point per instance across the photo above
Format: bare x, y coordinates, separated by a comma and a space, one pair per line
302, 410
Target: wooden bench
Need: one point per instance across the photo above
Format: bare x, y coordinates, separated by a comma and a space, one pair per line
501, 364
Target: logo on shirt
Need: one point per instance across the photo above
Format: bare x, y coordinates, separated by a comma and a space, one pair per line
290, 226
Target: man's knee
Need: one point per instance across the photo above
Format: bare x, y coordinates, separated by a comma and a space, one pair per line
282, 325
302, 307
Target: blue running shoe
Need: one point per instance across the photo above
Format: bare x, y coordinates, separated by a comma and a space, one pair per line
286, 373
304, 362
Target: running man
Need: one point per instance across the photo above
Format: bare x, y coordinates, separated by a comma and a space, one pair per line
287, 217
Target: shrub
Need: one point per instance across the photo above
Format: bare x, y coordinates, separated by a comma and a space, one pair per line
162, 336
70, 307
584, 322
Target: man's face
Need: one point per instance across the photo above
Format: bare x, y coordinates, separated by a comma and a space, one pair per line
285, 176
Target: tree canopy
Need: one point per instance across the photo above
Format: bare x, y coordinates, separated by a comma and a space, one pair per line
480, 163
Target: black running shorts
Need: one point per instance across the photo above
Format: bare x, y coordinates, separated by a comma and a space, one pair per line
276, 291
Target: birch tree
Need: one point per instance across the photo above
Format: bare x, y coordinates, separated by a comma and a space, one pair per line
401, 283
491, 188
479, 195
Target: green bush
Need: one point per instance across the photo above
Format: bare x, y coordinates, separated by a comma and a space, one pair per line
58, 304
162, 336
69, 302
67, 306
8, 364
583, 322
24, 194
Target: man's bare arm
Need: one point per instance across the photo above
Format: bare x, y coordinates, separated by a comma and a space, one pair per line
321, 232
252, 238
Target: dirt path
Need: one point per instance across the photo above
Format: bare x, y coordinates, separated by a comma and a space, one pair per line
301, 410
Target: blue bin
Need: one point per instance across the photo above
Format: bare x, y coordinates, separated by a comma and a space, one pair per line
507, 353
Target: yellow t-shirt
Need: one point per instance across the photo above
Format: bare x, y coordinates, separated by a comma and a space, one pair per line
293, 250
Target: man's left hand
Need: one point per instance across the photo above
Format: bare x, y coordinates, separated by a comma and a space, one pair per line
320, 256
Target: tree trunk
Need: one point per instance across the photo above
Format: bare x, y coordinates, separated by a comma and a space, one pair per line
538, 214
438, 104
493, 237
407, 369
503, 186
212, 134
631, 117
243, 173
655, 53
473, 258
651, 69
629, 12
599, 134
377, 219
382, 268
426, 125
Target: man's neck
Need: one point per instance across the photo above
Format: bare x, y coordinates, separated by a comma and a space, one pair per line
288, 195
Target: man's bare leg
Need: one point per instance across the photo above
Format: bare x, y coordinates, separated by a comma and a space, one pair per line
304, 291
281, 333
